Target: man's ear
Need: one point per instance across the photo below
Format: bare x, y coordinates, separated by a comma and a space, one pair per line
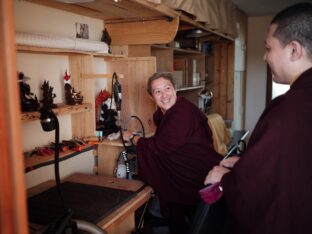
296, 50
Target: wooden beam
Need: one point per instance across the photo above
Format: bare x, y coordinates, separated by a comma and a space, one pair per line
12, 196
83, 64
160, 31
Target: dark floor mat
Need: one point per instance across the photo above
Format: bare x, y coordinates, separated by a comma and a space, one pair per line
88, 202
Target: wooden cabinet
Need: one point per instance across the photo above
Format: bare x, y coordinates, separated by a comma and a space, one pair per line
82, 116
181, 62
214, 72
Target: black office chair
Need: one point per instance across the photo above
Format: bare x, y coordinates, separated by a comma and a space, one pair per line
209, 219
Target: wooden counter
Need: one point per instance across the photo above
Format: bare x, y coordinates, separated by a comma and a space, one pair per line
120, 221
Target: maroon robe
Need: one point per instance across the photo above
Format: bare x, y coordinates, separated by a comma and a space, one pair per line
177, 158
270, 188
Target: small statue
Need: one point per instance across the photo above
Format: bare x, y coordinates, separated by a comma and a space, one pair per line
29, 101
107, 121
72, 97
48, 96
107, 39
103, 96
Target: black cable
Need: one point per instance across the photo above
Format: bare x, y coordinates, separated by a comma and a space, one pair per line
142, 126
57, 162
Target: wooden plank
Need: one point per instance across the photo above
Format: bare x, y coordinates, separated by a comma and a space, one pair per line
45, 50
73, 8
123, 225
139, 50
136, 100
109, 182
223, 80
216, 79
160, 31
33, 162
83, 125
13, 215
164, 59
230, 83
60, 110
107, 159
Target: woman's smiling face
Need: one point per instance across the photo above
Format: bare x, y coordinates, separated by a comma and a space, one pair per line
163, 93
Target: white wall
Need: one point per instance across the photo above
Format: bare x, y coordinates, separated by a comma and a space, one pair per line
256, 70
30, 17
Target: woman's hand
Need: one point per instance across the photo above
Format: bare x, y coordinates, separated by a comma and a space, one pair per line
229, 162
126, 135
215, 175
217, 172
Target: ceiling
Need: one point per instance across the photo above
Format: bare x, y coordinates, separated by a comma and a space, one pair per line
263, 7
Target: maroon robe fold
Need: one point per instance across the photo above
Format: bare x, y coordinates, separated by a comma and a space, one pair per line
270, 188
177, 158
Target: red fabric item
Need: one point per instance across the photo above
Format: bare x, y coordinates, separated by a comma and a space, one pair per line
211, 193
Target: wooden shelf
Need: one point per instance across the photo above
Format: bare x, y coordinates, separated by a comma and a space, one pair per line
190, 88
186, 51
60, 110
37, 161
161, 46
45, 50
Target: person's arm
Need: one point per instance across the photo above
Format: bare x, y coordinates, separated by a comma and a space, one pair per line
129, 136
215, 175
134, 139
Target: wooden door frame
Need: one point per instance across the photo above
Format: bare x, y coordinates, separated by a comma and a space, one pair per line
13, 218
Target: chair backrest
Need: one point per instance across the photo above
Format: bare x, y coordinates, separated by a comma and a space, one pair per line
220, 133
209, 219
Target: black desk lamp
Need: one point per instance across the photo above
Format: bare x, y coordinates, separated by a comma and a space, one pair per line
64, 224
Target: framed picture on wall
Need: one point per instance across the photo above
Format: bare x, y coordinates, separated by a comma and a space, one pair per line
82, 31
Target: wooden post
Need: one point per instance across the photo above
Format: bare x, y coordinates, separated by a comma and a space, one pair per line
12, 193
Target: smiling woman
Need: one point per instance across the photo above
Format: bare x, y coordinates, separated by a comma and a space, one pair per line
174, 161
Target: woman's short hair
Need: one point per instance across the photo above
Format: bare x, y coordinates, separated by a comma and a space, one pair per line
157, 75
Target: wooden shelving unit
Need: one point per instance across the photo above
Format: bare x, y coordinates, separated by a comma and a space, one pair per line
36, 161
190, 88
61, 110
186, 51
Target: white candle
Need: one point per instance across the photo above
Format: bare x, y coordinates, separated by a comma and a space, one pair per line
194, 65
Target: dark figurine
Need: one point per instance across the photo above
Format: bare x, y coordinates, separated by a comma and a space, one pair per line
107, 39
29, 101
107, 121
72, 97
48, 96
